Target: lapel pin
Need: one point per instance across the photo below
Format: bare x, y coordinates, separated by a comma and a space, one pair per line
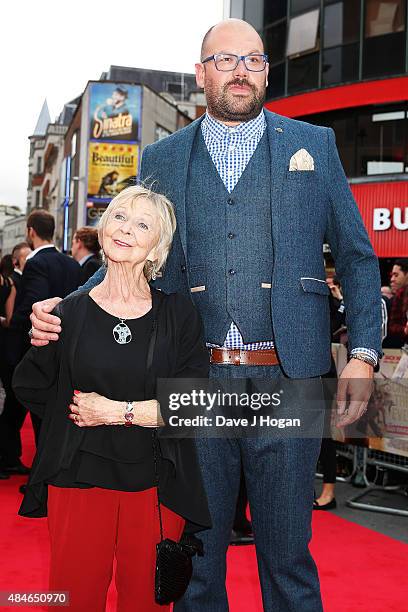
278, 130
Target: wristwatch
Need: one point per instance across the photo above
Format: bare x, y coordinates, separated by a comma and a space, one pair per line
129, 415
363, 357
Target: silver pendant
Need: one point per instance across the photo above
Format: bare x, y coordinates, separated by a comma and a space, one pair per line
122, 333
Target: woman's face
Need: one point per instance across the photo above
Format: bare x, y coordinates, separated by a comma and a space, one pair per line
132, 233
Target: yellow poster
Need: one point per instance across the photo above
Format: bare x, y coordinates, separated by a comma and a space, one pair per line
110, 166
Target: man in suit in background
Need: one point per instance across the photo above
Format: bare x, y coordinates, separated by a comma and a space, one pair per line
256, 195
47, 272
86, 251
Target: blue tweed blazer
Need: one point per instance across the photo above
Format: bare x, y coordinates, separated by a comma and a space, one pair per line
308, 208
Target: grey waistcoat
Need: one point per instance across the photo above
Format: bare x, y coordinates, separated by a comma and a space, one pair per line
229, 240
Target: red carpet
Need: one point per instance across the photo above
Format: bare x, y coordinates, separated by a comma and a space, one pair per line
360, 570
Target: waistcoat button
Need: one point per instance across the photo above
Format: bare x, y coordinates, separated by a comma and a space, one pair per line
231, 272
231, 235
230, 201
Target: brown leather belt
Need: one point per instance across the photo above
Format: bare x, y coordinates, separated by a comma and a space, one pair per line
261, 357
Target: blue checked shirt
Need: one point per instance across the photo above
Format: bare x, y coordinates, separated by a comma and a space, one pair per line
231, 148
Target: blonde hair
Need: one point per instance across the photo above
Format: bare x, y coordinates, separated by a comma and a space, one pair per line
167, 220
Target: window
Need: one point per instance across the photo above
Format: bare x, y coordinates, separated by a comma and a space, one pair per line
276, 82
38, 165
303, 73
37, 198
381, 142
384, 17
298, 6
175, 88
344, 129
74, 144
160, 133
370, 141
341, 23
254, 13
340, 65
275, 42
384, 55
343, 124
302, 36
274, 10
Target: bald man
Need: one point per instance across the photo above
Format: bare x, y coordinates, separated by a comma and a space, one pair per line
256, 195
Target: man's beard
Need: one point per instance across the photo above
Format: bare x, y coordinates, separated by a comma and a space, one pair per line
222, 105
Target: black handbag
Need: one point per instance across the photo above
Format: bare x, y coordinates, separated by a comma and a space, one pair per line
174, 565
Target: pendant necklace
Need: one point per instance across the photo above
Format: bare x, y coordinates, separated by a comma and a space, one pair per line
122, 333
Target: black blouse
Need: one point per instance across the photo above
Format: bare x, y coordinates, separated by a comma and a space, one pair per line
46, 377
114, 456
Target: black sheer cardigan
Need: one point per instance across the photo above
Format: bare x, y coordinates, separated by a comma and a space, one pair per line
43, 383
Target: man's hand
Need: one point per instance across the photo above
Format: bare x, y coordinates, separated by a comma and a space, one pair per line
45, 327
353, 391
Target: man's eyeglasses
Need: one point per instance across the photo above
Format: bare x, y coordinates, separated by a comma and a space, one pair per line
226, 62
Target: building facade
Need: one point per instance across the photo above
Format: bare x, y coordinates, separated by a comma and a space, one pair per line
13, 232
44, 167
79, 163
7, 214
177, 87
344, 64
104, 143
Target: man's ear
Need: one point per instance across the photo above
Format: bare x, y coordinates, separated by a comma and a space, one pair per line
200, 74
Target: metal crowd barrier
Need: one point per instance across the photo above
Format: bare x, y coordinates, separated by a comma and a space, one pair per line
361, 459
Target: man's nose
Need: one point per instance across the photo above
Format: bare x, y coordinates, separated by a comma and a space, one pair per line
241, 69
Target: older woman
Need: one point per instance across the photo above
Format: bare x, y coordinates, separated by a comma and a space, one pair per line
95, 390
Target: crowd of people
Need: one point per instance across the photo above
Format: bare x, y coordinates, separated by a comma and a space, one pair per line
395, 299
395, 335
35, 270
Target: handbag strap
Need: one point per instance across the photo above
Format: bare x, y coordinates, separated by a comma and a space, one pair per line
156, 474
149, 361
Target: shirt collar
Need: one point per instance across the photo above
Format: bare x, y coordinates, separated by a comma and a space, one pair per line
44, 246
84, 259
215, 130
18, 271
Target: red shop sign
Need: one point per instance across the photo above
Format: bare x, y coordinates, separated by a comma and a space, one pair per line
384, 208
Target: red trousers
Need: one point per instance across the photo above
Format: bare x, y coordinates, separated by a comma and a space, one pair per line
88, 528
